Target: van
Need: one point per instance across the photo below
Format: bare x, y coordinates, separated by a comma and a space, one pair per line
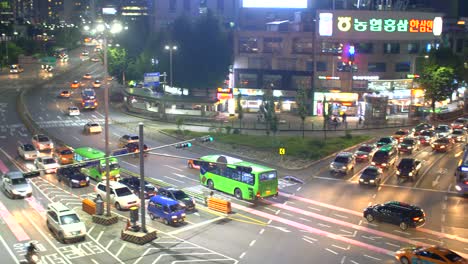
385, 157
165, 209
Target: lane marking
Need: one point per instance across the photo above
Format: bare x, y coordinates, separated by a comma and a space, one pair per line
343, 248
393, 245
372, 257
174, 168
173, 179
128, 163
252, 243
242, 255
120, 250
206, 222
99, 236
307, 240
316, 209
303, 219
329, 250
9, 250
342, 216
324, 225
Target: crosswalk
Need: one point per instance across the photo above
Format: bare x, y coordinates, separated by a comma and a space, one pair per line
68, 122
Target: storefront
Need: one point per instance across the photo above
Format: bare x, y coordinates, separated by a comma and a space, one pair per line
251, 99
336, 103
399, 93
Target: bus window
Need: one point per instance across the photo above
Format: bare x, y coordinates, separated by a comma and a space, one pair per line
248, 178
268, 176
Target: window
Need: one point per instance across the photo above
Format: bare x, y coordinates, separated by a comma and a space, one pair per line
259, 63
247, 80
271, 45
299, 82
402, 67
321, 66
377, 67
220, 5
303, 46
310, 66
172, 6
248, 45
271, 81
413, 48
332, 48
391, 48
186, 5
364, 48
287, 64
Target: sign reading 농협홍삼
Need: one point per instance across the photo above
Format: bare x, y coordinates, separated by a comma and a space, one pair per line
379, 25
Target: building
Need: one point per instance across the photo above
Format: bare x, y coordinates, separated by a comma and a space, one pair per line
134, 9
76, 11
6, 12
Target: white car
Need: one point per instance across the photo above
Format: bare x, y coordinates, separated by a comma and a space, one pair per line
42, 142
46, 164
73, 111
121, 196
92, 127
95, 59
64, 222
96, 84
27, 151
15, 185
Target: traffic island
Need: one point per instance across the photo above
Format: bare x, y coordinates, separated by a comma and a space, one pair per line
139, 238
105, 220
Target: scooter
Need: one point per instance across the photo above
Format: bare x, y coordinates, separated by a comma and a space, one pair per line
32, 257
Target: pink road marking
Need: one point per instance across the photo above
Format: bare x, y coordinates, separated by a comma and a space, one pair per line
10, 220
313, 230
3, 167
341, 209
336, 208
343, 223
35, 204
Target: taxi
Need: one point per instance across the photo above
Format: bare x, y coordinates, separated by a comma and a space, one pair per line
75, 84
65, 94
97, 84
431, 254
64, 155
87, 76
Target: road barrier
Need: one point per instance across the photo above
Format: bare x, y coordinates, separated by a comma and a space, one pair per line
219, 205
89, 206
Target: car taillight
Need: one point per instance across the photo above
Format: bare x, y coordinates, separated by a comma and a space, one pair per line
416, 218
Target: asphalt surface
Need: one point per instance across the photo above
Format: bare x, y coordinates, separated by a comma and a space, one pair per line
320, 220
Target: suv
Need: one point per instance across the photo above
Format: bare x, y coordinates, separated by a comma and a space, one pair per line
443, 130
121, 196
15, 185
64, 222
344, 163
402, 214
408, 168
42, 142
73, 176
126, 139
134, 184
185, 201
385, 157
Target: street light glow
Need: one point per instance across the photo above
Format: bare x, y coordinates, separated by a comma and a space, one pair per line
116, 27
86, 28
100, 27
166, 47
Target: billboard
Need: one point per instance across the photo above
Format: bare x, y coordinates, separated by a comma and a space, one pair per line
274, 3
379, 25
109, 10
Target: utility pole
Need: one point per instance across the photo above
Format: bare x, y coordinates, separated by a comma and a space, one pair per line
142, 179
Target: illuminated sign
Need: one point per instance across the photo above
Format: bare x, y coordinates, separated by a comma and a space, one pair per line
328, 77
274, 4
224, 90
366, 78
109, 11
379, 25
412, 76
224, 93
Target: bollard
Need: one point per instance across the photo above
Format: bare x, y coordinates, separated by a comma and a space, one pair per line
134, 219
99, 205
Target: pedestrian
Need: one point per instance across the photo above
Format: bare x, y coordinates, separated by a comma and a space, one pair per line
360, 119
343, 116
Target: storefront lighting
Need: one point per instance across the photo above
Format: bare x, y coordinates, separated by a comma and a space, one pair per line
335, 91
461, 22
366, 78
329, 77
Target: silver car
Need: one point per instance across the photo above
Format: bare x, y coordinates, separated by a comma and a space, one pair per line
27, 151
15, 185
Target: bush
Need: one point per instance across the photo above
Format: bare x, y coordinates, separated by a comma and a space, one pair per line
348, 134
236, 131
228, 129
179, 123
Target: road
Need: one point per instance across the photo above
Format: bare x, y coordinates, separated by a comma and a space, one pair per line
318, 220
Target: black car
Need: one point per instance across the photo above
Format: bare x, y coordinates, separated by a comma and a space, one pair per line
134, 184
398, 213
386, 141
184, 200
408, 145
73, 176
135, 147
365, 152
371, 175
408, 168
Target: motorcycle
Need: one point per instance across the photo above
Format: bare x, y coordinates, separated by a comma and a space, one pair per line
32, 257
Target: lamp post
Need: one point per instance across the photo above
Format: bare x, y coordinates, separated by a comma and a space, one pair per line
105, 29
170, 49
5, 38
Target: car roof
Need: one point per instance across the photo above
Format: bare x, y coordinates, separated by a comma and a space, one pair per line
345, 154
59, 207
163, 200
402, 205
47, 157
15, 174
114, 184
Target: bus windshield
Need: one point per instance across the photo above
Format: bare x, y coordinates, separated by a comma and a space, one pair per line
271, 175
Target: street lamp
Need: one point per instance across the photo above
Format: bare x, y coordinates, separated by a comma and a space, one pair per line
105, 29
170, 49
5, 38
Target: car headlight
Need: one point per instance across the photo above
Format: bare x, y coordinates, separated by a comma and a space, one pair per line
409, 147
398, 173
442, 146
384, 164
75, 181
458, 188
372, 163
371, 180
174, 217
183, 214
432, 145
87, 178
410, 174
361, 180
344, 167
14, 191
182, 204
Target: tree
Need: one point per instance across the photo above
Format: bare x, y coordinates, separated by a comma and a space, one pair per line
325, 116
437, 82
117, 62
301, 101
267, 109
240, 110
67, 37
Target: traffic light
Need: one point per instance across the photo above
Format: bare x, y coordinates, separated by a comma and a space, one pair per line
206, 139
184, 145
351, 52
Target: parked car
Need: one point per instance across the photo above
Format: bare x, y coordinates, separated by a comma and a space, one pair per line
121, 196
125, 139
343, 163
14, 185
64, 155
408, 145
46, 164
386, 141
443, 130
185, 201
72, 176
64, 223
371, 175
458, 135
400, 134
134, 184
42, 142
426, 137
408, 168
428, 254
420, 127
92, 127
443, 144
165, 209
365, 152
27, 151
402, 214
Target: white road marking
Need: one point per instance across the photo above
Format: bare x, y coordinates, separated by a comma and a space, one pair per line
343, 260
9, 250
307, 240
316, 209
310, 238
303, 219
252, 243
393, 245
99, 236
324, 225
371, 257
94, 261
77, 139
298, 189
287, 214
196, 225
343, 248
174, 168
269, 222
129, 164
329, 250
242, 255
327, 178
173, 179
401, 232
120, 250
342, 216
183, 176
346, 231
354, 262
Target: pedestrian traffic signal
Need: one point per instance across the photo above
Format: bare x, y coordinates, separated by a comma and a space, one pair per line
206, 139
184, 145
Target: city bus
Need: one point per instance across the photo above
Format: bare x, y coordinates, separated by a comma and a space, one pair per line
461, 174
96, 167
244, 180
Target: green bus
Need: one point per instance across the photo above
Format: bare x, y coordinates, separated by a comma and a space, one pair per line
96, 168
244, 180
